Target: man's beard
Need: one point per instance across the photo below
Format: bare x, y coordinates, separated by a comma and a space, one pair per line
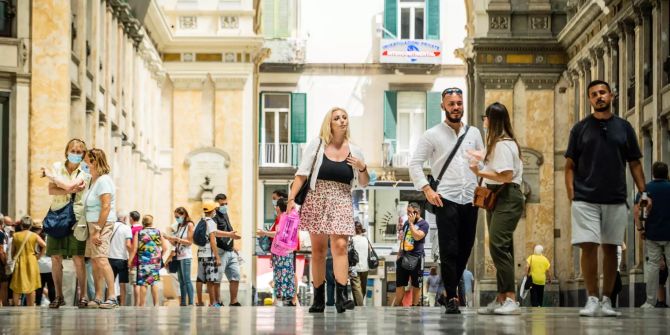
454, 120
602, 109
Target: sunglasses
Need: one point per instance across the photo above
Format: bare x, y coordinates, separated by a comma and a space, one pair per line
452, 90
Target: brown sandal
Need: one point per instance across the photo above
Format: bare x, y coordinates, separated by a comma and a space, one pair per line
59, 301
83, 303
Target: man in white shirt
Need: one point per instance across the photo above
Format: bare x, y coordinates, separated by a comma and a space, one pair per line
452, 201
120, 245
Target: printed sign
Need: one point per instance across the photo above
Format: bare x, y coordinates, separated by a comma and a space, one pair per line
411, 51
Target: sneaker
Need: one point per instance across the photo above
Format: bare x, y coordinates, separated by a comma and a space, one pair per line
606, 308
109, 304
647, 305
452, 306
217, 305
488, 309
94, 304
592, 307
509, 307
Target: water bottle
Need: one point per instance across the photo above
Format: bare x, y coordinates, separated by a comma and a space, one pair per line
643, 208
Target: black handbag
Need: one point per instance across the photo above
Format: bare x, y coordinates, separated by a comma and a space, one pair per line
529, 278
352, 255
408, 261
302, 193
434, 183
373, 259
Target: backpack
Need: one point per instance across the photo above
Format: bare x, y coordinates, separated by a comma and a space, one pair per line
200, 233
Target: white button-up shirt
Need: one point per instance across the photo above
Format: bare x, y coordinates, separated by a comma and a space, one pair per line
458, 182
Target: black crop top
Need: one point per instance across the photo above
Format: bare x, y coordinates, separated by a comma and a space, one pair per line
340, 172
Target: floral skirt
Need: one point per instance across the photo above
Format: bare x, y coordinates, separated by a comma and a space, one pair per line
283, 276
328, 209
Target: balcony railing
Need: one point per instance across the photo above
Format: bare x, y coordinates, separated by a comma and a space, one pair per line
280, 154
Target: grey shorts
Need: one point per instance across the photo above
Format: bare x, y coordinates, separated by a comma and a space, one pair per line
598, 223
230, 265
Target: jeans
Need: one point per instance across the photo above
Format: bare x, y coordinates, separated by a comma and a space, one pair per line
185, 284
655, 251
456, 228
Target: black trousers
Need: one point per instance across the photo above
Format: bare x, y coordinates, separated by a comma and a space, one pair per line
536, 295
456, 228
47, 281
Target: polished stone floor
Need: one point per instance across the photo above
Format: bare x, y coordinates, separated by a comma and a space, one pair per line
287, 320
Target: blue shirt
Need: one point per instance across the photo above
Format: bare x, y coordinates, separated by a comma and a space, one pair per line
468, 278
103, 185
657, 227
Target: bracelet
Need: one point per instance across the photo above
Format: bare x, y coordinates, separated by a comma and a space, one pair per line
364, 169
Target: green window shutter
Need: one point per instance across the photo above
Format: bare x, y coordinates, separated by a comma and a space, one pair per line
390, 116
391, 17
433, 109
268, 18
433, 19
298, 118
282, 18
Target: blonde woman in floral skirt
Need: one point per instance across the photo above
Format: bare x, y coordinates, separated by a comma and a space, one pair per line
327, 213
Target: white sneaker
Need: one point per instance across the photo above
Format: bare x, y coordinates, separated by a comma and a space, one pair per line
606, 308
592, 307
509, 307
489, 309
647, 305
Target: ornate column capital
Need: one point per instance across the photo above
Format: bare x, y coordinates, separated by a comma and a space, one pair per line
540, 81
498, 81
188, 82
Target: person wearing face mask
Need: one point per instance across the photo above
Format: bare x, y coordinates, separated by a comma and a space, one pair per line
230, 265
452, 199
327, 212
67, 178
182, 240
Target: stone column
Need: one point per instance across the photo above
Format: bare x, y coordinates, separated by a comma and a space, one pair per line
586, 70
629, 87
597, 54
577, 90
49, 95
613, 41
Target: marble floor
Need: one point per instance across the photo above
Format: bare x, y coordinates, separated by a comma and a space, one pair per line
287, 320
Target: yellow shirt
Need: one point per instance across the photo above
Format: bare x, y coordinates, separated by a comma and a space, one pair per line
538, 268
58, 201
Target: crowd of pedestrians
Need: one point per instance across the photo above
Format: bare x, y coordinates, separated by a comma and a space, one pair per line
468, 172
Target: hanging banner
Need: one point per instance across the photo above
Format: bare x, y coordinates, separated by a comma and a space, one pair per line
410, 51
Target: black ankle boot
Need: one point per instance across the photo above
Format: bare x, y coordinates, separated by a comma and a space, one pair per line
341, 301
319, 301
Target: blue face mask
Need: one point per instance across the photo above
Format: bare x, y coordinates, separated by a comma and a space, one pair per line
180, 219
274, 203
84, 167
75, 158
223, 209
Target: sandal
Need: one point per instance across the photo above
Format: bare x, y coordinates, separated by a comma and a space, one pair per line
56, 303
83, 303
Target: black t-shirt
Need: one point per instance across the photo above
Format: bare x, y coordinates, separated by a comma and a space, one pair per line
335, 171
658, 221
600, 150
223, 224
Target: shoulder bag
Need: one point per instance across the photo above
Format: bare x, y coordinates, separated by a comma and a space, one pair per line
302, 193
11, 261
352, 254
434, 183
373, 259
529, 277
408, 261
58, 223
484, 197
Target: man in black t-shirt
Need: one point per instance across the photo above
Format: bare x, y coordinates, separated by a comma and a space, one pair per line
595, 178
230, 265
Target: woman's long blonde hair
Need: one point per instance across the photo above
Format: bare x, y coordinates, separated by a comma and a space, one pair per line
326, 132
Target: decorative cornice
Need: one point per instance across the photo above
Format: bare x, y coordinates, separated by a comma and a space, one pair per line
539, 81
498, 81
188, 83
229, 83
